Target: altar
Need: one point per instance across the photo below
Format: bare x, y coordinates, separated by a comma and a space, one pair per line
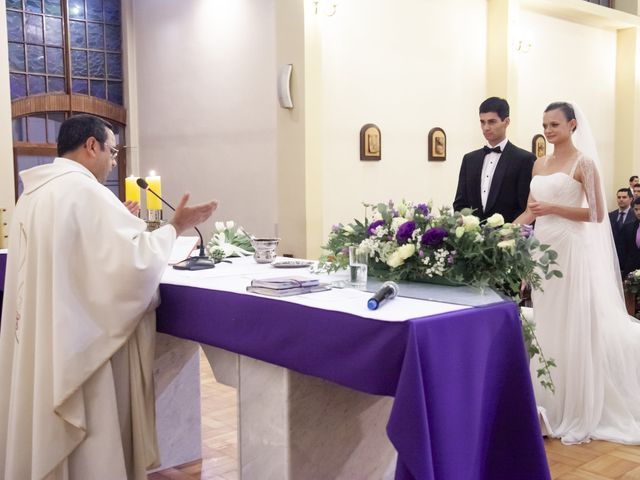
319, 376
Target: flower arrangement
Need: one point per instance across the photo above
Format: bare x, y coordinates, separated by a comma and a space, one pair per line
228, 240
411, 242
632, 282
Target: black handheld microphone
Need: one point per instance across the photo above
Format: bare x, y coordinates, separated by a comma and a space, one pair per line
201, 262
387, 291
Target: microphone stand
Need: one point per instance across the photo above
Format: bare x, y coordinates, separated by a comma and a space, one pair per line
201, 262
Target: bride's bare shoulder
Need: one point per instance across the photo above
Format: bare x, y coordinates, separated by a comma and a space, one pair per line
539, 165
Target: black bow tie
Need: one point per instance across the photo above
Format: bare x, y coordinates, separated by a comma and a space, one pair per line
489, 149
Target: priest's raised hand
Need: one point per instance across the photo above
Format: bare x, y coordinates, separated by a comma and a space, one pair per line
187, 217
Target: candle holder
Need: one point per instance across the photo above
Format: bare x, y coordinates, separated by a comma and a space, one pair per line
154, 219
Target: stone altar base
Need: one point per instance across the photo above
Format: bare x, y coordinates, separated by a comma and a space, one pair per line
294, 426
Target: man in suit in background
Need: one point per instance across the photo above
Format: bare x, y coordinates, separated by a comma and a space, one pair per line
630, 239
622, 215
495, 178
633, 179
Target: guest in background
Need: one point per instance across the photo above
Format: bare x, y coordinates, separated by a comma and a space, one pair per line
620, 216
636, 190
496, 177
633, 179
630, 238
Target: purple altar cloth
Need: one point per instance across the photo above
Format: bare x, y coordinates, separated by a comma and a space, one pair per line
464, 405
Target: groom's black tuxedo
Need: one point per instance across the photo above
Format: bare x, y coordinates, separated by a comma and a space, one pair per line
509, 187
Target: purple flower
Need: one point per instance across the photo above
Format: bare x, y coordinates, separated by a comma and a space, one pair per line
526, 231
434, 236
450, 259
335, 228
395, 213
421, 253
372, 228
404, 232
422, 209
344, 250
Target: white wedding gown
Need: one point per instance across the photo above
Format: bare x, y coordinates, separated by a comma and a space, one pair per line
582, 323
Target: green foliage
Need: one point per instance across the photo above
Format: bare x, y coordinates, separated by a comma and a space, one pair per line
409, 242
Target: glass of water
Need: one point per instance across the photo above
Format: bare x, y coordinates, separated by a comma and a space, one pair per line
358, 268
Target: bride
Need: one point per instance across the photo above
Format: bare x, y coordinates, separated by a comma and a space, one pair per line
581, 320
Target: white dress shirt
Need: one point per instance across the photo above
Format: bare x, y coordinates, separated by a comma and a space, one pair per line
489, 165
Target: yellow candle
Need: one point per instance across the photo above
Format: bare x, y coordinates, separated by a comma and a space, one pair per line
153, 202
131, 189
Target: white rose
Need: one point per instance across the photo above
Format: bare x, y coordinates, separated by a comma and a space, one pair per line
495, 220
395, 260
348, 229
505, 232
230, 224
406, 250
219, 226
376, 216
459, 232
636, 274
402, 209
479, 238
507, 244
470, 222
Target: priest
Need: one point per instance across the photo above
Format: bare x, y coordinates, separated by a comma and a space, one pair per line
78, 320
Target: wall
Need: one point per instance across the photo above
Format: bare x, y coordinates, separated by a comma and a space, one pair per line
206, 88
406, 67
568, 62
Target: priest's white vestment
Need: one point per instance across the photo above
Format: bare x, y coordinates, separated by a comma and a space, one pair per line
77, 332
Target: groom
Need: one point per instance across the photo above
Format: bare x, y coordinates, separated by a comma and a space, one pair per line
495, 178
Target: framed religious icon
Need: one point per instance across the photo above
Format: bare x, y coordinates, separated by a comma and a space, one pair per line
370, 142
539, 145
437, 145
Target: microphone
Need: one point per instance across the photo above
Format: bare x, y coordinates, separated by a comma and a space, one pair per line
387, 291
201, 262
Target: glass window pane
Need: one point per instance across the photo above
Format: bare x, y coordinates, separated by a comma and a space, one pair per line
34, 6
18, 85
14, 27
19, 129
77, 34
35, 59
112, 11
76, 8
115, 92
17, 4
55, 84
112, 37
37, 128
36, 84
52, 7
94, 10
98, 89
96, 64
53, 31
114, 65
54, 120
79, 63
55, 64
80, 86
95, 37
16, 57
34, 32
